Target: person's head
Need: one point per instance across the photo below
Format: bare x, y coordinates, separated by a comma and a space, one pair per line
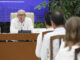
48, 20
57, 19
72, 27
21, 15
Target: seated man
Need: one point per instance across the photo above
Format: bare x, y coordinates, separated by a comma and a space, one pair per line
58, 25
21, 22
39, 39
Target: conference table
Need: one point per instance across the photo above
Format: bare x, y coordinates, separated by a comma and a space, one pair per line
18, 36
18, 50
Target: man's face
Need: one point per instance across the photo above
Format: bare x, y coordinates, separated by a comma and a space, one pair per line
21, 17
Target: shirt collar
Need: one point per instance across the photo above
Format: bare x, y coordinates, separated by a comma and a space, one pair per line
49, 28
59, 28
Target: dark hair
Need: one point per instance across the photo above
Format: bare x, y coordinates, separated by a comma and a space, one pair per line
58, 18
72, 36
48, 18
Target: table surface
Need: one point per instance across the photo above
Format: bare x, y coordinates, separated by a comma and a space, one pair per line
18, 36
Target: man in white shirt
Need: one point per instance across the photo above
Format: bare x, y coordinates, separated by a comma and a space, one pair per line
21, 22
58, 25
39, 39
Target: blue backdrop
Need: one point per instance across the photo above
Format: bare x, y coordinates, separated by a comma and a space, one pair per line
8, 6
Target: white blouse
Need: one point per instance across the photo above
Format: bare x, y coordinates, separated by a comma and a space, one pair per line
66, 54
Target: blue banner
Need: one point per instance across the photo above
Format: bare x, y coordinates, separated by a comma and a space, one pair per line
8, 6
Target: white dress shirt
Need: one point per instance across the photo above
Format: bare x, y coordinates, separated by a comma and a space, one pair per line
45, 50
16, 25
39, 42
65, 54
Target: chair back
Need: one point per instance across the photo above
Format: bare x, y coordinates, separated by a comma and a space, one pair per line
43, 33
77, 51
59, 37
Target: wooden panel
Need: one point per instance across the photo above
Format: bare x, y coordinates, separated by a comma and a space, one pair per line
17, 51
20, 36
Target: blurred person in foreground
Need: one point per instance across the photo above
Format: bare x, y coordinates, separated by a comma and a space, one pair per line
71, 41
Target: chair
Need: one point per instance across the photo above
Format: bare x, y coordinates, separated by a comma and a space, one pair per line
51, 43
28, 14
43, 33
18, 50
77, 51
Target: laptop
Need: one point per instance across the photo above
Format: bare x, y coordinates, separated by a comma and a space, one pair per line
24, 31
